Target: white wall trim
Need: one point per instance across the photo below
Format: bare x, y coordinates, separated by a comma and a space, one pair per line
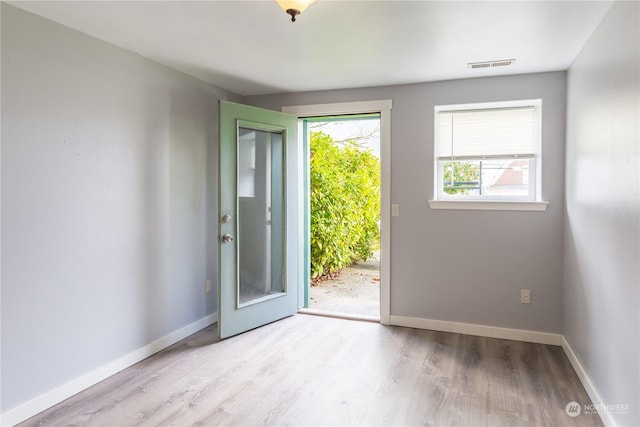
479, 330
58, 394
516, 335
606, 417
488, 205
359, 107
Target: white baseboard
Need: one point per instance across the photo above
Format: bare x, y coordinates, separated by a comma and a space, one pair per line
606, 417
516, 335
479, 330
57, 395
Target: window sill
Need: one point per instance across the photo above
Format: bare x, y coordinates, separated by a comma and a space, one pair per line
480, 205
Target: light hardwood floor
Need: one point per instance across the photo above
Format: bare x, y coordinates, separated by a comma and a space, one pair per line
309, 370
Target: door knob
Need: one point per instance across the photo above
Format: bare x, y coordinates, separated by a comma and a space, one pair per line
226, 238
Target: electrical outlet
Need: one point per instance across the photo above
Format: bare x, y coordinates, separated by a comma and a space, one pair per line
525, 296
207, 286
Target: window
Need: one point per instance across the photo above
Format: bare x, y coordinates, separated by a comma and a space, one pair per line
488, 152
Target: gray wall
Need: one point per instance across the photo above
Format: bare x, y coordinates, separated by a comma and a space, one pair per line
467, 266
602, 233
109, 206
108, 203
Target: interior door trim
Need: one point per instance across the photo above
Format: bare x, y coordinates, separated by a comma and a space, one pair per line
383, 107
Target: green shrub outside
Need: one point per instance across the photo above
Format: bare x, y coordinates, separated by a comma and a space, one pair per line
345, 204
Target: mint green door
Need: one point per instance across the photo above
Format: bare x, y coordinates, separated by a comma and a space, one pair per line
259, 163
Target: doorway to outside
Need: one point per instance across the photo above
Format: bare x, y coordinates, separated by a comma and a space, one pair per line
344, 214
382, 107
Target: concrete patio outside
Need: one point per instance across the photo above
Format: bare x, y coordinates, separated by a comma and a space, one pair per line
356, 290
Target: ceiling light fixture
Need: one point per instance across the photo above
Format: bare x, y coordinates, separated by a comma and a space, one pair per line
294, 7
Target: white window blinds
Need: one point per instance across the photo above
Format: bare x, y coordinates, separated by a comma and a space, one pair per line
497, 133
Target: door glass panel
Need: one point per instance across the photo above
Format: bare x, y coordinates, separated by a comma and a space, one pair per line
260, 233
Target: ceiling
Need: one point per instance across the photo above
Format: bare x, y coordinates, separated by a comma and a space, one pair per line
252, 47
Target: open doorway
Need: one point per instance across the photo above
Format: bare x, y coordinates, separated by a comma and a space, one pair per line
344, 214
383, 108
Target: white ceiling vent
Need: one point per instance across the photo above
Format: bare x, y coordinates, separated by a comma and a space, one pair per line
491, 64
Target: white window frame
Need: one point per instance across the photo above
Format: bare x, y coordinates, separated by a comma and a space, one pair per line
531, 202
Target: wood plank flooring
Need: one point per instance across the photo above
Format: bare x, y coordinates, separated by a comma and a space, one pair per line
310, 370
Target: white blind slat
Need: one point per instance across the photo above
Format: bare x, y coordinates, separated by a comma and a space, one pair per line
491, 132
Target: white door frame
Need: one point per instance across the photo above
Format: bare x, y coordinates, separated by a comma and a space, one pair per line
363, 107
